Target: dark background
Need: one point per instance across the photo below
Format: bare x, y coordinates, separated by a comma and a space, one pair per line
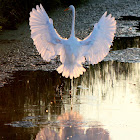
13, 12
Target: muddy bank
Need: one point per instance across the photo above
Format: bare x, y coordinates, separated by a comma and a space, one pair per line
22, 55
131, 55
17, 51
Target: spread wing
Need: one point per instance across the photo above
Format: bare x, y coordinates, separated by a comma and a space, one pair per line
46, 39
97, 45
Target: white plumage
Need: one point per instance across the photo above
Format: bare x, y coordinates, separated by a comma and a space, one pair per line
73, 51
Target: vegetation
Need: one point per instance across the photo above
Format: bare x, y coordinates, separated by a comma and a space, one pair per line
13, 12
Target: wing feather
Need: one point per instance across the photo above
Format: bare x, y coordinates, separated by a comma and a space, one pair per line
97, 45
46, 39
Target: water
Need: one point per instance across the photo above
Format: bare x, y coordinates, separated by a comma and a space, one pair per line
104, 102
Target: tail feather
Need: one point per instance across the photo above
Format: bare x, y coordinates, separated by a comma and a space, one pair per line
60, 68
72, 71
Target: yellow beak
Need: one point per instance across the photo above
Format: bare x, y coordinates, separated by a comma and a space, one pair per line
66, 9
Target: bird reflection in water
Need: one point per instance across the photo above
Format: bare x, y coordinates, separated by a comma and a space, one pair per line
72, 127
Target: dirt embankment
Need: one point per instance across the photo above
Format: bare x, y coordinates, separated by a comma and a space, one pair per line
17, 52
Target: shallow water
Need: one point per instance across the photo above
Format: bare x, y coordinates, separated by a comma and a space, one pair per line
104, 102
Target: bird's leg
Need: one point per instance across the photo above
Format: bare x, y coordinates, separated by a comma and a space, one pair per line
61, 91
61, 94
71, 90
71, 101
71, 87
70, 93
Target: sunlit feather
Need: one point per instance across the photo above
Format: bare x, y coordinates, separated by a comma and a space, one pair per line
73, 52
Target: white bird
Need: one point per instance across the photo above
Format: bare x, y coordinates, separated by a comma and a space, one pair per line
73, 51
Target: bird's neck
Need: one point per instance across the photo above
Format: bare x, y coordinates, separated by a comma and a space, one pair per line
73, 23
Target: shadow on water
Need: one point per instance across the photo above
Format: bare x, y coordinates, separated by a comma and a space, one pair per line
36, 99
131, 18
126, 42
24, 96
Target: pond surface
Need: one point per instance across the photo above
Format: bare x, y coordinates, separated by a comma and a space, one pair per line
104, 103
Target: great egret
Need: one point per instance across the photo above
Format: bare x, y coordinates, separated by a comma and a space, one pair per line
73, 51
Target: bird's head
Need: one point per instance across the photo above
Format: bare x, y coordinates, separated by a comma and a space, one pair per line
71, 7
